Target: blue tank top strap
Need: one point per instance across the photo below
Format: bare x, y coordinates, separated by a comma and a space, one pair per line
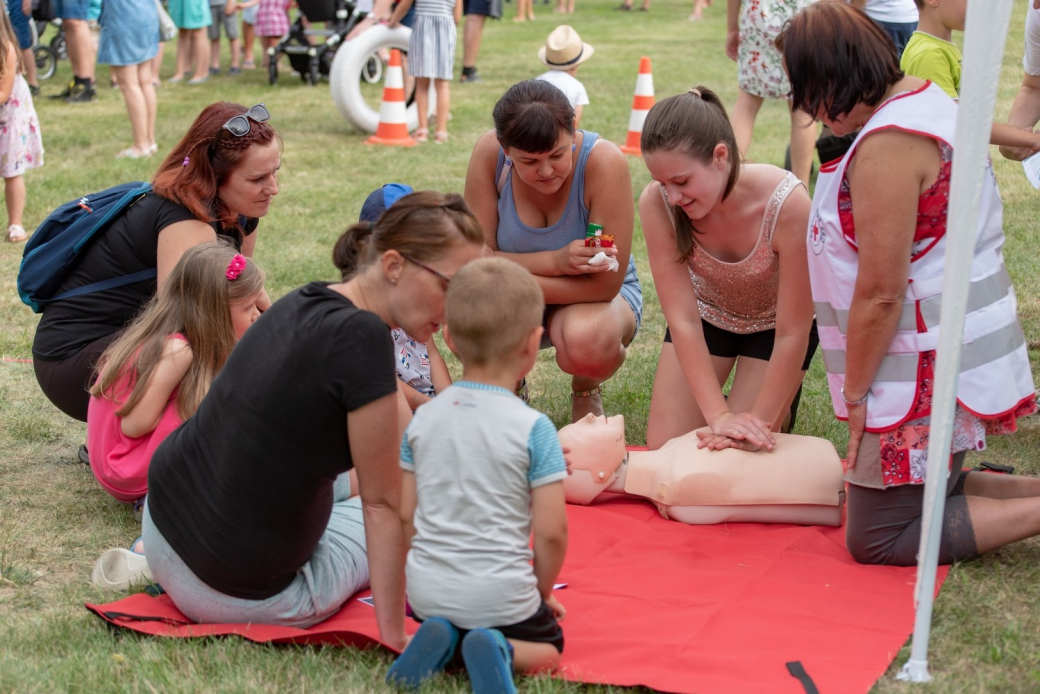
502, 168
578, 185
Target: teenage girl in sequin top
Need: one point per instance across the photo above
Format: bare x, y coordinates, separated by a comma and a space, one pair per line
727, 249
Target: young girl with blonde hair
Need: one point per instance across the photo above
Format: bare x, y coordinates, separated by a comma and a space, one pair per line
21, 148
155, 375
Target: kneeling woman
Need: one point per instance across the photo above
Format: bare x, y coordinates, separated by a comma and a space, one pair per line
248, 517
535, 183
727, 249
878, 245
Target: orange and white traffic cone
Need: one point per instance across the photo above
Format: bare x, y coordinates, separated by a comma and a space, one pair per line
393, 123
641, 103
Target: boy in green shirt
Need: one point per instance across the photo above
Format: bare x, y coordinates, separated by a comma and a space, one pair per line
931, 55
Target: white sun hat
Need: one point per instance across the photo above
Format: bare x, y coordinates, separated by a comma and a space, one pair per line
564, 49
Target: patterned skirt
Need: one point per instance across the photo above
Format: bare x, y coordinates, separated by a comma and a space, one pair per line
21, 147
431, 49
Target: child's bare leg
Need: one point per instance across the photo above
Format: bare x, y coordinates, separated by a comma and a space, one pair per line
157, 64
236, 53
14, 196
443, 89
422, 105
248, 38
200, 54
183, 54
409, 81
214, 54
29, 61
532, 657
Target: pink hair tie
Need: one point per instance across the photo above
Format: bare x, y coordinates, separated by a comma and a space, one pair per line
235, 267
187, 160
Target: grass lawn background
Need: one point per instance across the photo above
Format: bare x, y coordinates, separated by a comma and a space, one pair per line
55, 520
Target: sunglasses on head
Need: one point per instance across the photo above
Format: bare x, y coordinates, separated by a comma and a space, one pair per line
239, 125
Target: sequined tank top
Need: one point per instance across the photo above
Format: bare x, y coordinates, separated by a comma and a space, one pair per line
741, 297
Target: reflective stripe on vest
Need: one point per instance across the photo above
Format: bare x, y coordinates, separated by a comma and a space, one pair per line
903, 367
982, 293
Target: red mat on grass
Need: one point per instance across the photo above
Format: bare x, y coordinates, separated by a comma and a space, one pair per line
677, 608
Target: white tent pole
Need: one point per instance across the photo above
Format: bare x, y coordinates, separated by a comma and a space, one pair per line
986, 33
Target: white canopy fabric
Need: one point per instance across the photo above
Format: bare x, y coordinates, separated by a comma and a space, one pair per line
984, 38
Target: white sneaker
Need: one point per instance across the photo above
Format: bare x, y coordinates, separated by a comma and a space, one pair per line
120, 569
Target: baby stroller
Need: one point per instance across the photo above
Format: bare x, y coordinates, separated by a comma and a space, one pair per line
46, 55
313, 60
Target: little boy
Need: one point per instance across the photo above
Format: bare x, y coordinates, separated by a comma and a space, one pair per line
931, 55
562, 53
223, 12
482, 471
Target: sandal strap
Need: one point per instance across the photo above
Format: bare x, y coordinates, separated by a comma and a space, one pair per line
585, 393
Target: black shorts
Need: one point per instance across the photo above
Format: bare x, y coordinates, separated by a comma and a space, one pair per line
488, 8
723, 343
541, 627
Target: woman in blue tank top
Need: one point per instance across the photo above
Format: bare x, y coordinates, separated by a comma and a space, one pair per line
535, 183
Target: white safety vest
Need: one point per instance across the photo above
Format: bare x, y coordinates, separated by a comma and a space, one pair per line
994, 375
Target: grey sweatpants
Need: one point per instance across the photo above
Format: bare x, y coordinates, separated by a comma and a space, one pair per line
337, 569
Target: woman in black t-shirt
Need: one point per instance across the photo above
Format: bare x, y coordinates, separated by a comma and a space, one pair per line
248, 517
218, 181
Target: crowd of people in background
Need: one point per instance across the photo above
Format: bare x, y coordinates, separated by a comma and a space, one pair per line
753, 275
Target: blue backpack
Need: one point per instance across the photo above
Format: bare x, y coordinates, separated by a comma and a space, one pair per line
55, 247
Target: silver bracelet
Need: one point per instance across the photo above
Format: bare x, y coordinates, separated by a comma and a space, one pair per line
853, 403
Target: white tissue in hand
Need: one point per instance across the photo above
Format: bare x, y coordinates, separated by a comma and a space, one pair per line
602, 258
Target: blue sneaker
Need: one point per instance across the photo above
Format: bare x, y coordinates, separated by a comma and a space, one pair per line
428, 652
489, 661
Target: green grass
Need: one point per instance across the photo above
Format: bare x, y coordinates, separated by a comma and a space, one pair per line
55, 520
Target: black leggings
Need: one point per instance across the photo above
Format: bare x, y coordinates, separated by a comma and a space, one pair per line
66, 383
883, 526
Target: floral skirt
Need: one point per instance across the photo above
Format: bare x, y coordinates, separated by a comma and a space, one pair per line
761, 69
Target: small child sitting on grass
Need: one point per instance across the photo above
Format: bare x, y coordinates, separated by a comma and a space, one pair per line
482, 471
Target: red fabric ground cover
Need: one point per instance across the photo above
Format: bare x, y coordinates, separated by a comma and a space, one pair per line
677, 608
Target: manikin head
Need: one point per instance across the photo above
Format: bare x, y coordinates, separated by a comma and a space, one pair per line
597, 449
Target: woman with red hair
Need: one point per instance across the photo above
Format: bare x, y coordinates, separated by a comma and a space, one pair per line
217, 182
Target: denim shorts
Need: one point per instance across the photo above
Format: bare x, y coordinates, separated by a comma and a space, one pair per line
72, 9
